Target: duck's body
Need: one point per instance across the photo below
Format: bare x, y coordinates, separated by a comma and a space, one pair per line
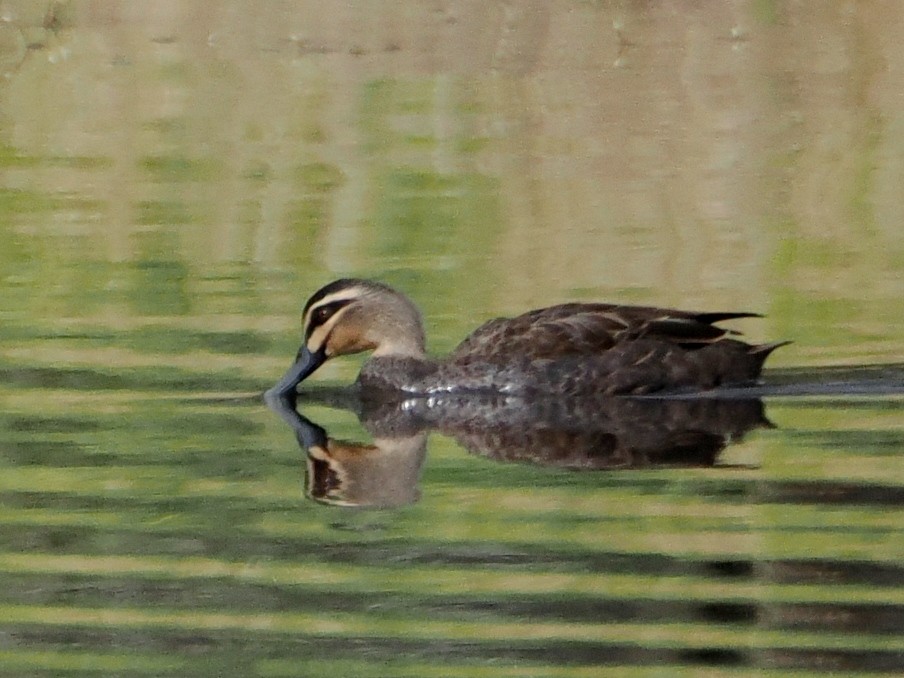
564, 350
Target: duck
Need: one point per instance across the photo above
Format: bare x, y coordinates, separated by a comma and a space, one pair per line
566, 350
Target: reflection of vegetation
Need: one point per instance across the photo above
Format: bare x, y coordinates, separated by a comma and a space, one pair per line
766, 11
10, 157
160, 279
178, 169
453, 216
163, 339
163, 212
820, 295
309, 213
15, 202
318, 177
442, 205
259, 171
429, 212
863, 181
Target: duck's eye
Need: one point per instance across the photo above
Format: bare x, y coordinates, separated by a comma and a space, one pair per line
322, 314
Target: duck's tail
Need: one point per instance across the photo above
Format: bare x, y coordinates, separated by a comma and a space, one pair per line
762, 351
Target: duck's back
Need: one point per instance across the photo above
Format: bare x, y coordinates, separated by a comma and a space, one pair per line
588, 330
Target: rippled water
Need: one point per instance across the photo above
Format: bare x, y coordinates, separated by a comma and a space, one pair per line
175, 180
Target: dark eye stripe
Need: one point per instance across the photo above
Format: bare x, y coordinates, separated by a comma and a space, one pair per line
323, 313
333, 288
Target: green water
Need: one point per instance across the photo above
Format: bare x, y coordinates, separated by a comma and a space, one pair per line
174, 182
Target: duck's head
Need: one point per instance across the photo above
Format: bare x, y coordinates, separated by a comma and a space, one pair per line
350, 316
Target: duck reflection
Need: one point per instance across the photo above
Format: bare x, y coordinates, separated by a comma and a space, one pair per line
603, 433
382, 474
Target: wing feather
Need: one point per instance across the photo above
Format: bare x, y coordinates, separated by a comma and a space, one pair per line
588, 329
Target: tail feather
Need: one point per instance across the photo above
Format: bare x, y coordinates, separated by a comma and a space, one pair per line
719, 316
762, 351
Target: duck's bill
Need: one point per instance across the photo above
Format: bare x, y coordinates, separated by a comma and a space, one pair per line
305, 363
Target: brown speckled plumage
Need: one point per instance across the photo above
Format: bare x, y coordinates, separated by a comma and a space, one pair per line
569, 349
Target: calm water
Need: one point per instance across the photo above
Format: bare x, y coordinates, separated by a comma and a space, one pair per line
176, 179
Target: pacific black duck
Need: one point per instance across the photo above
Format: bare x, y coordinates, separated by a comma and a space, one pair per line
566, 350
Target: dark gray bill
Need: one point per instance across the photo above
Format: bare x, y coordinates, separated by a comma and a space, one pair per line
305, 363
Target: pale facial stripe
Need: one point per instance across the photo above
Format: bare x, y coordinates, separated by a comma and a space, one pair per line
343, 295
319, 334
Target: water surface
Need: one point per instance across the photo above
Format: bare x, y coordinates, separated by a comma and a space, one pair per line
176, 179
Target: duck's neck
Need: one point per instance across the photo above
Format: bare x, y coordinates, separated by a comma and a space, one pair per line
401, 347
398, 361
396, 372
